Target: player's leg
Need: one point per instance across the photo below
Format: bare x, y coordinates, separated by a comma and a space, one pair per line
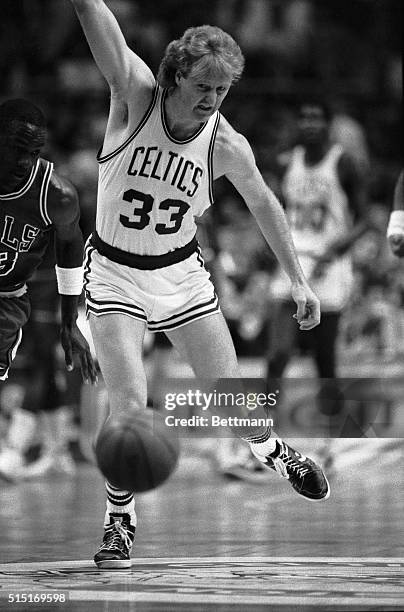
118, 342
282, 338
44, 398
14, 313
330, 399
207, 345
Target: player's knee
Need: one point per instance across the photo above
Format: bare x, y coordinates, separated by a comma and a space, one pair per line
127, 399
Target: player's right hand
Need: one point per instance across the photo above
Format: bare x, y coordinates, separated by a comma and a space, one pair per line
396, 242
308, 306
75, 345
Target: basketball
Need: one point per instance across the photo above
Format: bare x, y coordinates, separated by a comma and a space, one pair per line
136, 452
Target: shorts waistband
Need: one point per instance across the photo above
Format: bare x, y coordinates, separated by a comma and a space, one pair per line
15, 292
143, 262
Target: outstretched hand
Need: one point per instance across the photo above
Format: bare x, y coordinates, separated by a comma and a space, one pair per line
308, 306
74, 344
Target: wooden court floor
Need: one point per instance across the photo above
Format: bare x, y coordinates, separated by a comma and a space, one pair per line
208, 544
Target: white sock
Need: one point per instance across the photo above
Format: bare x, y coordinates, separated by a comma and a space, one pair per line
264, 445
120, 502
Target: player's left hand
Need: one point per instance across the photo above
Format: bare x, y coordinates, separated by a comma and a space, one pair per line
308, 306
74, 343
396, 242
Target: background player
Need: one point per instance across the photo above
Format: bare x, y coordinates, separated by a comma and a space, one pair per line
35, 201
324, 193
163, 147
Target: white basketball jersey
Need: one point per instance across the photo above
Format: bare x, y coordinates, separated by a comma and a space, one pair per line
318, 213
153, 185
316, 204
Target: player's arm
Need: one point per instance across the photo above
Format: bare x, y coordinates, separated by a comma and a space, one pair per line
235, 159
395, 228
63, 210
121, 67
353, 182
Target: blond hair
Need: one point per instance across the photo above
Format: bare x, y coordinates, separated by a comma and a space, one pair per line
204, 50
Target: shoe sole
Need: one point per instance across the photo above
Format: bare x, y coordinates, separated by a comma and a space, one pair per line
114, 564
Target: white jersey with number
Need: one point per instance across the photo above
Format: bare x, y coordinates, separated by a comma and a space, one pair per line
318, 212
316, 204
153, 185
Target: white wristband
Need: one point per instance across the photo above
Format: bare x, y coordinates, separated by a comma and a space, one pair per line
396, 223
70, 280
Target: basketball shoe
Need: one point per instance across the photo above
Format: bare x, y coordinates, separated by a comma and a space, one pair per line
305, 476
114, 552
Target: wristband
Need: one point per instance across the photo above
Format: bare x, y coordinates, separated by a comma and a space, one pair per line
69, 280
396, 223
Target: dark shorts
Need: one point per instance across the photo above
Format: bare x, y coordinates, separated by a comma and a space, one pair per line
14, 313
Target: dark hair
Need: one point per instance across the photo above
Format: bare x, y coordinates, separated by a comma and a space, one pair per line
210, 47
317, 102
21, 110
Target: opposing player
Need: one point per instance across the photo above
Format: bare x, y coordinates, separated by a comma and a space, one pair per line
35, 201
165, 143
324, 193
395, 228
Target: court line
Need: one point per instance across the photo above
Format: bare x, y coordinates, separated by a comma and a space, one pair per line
33, 566
217, 599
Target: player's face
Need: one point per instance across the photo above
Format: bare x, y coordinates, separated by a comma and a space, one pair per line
313, 125
203, 95
20, 147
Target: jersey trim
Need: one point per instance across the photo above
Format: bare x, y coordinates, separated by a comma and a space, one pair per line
24, 188
165, 125
210, 157
43, 196
143, 262
103, 158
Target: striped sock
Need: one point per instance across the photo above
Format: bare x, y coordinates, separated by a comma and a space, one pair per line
263, 443
120, 502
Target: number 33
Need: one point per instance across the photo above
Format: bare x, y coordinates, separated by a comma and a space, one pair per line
147, 201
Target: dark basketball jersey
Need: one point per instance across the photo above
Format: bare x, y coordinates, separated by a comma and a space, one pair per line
25, 228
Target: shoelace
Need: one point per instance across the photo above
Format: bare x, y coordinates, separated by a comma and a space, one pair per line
118, 535
284, 462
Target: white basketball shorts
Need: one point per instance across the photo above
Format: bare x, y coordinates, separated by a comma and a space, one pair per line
165, 298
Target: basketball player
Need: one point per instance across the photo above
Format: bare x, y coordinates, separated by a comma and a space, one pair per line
395, 228
324, 196
165, 143
34, 201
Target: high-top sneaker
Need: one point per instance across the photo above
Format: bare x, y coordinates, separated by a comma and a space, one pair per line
305, 476
114, 552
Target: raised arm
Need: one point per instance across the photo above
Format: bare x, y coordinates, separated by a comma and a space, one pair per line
64, 212
121, 67
235, 159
